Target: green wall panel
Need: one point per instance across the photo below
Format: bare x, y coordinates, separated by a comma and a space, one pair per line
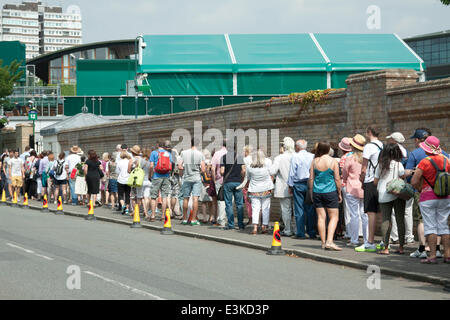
280, 83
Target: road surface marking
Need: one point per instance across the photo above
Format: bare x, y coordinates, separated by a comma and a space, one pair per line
30, 251
117, 283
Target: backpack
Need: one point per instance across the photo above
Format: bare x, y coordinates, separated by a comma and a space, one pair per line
441, 186
164, 165
59, 168
136, 178
379, 155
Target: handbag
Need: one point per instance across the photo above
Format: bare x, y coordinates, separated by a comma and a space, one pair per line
400, 187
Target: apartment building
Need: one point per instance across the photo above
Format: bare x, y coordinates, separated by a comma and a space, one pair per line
42, 28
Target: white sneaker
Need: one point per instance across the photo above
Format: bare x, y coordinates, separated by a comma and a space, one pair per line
418, 254
438, 254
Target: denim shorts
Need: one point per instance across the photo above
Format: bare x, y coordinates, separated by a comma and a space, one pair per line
194, 188
112, 186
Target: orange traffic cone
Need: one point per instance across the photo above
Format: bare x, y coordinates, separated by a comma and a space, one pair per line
45, 204
25, 201
3, 202
90, 215
59, 209
136, 218
14, 202
167, 230
276, 242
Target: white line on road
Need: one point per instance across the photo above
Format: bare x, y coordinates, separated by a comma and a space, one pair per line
117, 283
30, 251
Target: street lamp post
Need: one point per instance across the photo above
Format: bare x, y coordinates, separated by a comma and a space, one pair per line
139, 41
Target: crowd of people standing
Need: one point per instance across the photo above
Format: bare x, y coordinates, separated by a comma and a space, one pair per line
335, 191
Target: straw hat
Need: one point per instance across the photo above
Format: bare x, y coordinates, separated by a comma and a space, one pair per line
136, 150
76, 150
358, 142
344, 145
431, 145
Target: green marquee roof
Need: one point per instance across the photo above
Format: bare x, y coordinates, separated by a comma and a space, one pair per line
243, 53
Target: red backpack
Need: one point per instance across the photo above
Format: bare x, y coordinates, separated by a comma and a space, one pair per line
164, 165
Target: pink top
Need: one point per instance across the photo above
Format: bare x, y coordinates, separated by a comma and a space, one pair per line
215, 161
350, 176
342, 163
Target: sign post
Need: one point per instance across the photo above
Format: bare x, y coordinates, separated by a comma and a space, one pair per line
33, 116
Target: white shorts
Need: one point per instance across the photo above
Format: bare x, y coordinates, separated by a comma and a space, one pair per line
435, 216
142, 192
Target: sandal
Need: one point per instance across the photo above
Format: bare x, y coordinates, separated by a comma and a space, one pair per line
399, 252
332, 247
383, 253
429, 261
254, 232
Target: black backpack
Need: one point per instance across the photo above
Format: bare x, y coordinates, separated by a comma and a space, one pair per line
59, 168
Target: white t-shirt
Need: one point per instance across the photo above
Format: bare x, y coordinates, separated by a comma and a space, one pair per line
71, 161
371, 152
63, 175
396, 170
16, 166
122, 171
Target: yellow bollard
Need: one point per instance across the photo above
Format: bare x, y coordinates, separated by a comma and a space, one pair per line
276, 242
90, 215
45, 204
136, 218
59, 209
167, 230
25, 201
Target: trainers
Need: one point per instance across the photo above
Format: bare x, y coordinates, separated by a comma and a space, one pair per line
352, 244
418, 254
366, 248
380, 246
438, 254
184, 222
195, 223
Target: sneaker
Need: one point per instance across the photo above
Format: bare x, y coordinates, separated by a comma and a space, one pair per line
195, 223
352, 244
184, 222
418, 254
438, 254
380, 246
366, 248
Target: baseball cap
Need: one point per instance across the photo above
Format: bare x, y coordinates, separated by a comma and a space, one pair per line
420, 134
397, 136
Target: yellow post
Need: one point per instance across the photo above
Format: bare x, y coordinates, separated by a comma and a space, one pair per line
45, 204
59, 209
136, 218
167, 230
25, 200
3, 197
90, 215
276, 241
14, 202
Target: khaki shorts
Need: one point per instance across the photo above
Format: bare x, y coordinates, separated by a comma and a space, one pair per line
160, 184
16, 182
417, 215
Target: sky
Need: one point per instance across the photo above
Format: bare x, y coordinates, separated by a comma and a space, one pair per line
126, 19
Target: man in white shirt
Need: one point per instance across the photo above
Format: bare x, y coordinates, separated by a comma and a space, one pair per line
371, 206
71, 161
280, 169
16, 174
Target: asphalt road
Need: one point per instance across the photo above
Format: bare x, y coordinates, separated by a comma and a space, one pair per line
117, 262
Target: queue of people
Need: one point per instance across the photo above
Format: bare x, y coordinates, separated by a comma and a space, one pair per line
335, 191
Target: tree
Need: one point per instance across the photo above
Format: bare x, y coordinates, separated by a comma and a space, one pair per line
446, 2
8, 76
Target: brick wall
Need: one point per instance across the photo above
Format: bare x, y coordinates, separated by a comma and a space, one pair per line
389, 99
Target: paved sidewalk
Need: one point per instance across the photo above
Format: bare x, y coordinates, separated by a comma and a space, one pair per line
394, 265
